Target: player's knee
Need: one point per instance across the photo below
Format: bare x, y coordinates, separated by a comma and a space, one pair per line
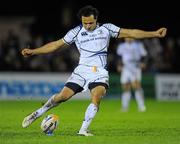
103, 91
96, 100
98, 91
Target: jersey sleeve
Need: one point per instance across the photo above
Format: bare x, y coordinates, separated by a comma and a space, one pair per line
71, 35
113, 30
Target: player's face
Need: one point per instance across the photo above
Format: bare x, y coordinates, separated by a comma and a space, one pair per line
89, 23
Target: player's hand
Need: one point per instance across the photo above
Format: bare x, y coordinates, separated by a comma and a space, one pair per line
161, 32
27, 52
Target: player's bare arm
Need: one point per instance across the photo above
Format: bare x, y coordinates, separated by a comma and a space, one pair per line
47, 48
138, 34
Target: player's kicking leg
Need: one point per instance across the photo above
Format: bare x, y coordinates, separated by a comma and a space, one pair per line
64, 95
29, 119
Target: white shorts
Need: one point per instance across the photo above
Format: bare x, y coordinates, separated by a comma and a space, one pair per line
84, 75
130, 75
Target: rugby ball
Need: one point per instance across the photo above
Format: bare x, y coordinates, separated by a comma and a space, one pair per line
49, 123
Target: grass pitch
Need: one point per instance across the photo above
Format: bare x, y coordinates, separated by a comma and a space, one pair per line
159, 125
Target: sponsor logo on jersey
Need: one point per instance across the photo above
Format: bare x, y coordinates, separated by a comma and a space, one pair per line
84, 34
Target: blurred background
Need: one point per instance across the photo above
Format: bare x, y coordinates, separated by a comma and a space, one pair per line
33, 23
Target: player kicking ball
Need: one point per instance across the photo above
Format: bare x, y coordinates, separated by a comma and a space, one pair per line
92, 40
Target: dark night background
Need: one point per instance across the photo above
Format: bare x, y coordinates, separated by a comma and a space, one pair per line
147, 15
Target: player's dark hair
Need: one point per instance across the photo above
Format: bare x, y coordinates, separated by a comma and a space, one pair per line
87, 11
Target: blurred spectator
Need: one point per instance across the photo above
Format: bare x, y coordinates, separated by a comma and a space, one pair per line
12, 56
168, 56
59, 64
162, 55
155, 51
